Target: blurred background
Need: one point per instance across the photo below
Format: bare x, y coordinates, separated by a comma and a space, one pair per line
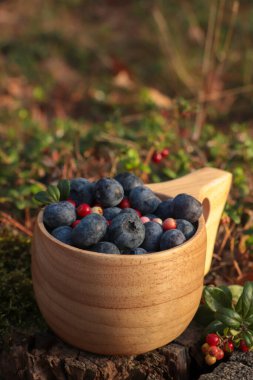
90, 88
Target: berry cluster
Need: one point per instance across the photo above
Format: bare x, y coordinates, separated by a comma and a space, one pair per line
216, 346
119, 215
157, 157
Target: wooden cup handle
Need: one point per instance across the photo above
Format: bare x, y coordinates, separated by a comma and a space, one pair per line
211, 187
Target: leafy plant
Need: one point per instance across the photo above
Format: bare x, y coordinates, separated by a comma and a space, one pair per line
228, 312
54, 193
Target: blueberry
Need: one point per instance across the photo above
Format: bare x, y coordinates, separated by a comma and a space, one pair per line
187, 207
89, 231
164, 210
144, 200
111, 212
186, 227
109, 192
59, 214
129, 211
82, 191
135, 251
153, 233
171, 238
128, 181
105, 247
126, 231
151, 216
63, 233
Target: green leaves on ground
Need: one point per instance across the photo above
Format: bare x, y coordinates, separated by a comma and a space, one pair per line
54, 193
228, 309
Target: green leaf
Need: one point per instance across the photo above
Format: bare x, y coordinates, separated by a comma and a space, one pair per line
248, 337
229, 317
216, 298
43, 198
249, 320
64, 188
245, 302
236, 291
204, 315
54, 192
228, 294
214, 327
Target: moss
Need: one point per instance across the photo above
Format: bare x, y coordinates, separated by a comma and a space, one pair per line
18, 310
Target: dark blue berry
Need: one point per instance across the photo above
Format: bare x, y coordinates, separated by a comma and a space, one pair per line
153, 233
186, 227
89, 231
128, 181
144, 200
126, 231
164, 210
82, 191
109, 192
187, 207
63, 233
129, 211
111, 212
59, 214
135, 251
105, 247
171, 238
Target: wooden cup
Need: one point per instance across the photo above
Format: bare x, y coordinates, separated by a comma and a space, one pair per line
124, 304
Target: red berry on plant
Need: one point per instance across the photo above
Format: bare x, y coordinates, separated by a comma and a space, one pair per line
125, 203
212, 339
228, 346
75, 223
169, 224
213, 351
210, 360
220, 354
83, 210
165, 152
71, 201
204, 348
157, 157
243, 346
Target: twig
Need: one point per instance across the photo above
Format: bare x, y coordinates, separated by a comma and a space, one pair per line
238, 269
7, 219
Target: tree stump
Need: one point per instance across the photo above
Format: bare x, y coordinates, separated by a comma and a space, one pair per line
43, 356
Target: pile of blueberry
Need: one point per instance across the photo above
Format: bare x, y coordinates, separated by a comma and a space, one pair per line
122, 216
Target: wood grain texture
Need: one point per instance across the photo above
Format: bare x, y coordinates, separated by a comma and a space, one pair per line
210, 186
124, 304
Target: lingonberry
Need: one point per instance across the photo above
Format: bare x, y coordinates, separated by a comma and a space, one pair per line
243, 346
165, 152
204, 348
213, 351
169, 224
109, 222
210, 360
138, 212
124, 203
212, 339
157, 157
83, 210
220, 354
228, 346
71, 201
145, 219
75, 223
157, 220
97, 210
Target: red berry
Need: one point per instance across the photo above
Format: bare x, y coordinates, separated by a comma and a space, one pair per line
109, 222
210, 360
124, 203
212, 339
220, 354
228, 346
213, 350
83, 210
157, 157
145, 219
243, 346
138, 212
71, 201
75, 223
165, 152
170, 224
204, 348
